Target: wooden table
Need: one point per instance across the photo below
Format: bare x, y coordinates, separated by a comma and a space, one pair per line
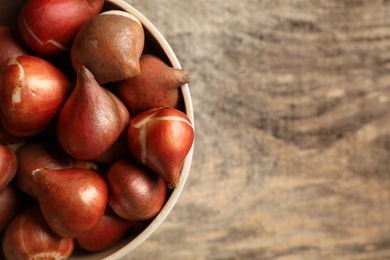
292, 110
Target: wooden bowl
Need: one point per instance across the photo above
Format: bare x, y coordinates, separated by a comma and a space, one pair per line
156, 44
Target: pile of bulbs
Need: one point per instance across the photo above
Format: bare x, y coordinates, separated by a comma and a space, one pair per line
92, 129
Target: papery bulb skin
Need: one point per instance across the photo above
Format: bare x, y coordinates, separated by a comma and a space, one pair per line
29, 237
161, 138
136, 192
157, 85
107, 232
49, 27
72, 200
109, 45
91, 120
33, 92
44, 154
8, 165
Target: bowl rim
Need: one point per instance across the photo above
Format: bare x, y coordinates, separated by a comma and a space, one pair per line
158, 220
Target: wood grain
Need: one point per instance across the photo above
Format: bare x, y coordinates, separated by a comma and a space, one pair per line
292, 110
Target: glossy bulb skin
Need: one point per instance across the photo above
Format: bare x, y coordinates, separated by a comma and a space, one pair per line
49, 27
161, 138
136, 192
91, 120
72, 200
33, 92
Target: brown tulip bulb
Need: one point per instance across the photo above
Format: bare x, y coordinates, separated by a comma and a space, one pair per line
161, 138
109, 45
157, 85
72, 200
91, 120
136, 192
33, 91
49, 27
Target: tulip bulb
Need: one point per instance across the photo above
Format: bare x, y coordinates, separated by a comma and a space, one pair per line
49, 27
33, 91
161, 139
91, 120
136, 192
157, 85
109, 45
72, 200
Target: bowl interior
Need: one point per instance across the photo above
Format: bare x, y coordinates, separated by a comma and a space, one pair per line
156, 44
